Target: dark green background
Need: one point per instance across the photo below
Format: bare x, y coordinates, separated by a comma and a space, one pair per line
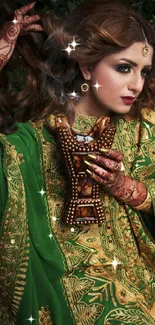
64, 7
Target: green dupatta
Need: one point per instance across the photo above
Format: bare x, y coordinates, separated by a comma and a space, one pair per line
56, 274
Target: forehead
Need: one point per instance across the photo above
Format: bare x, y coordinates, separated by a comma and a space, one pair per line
134, 53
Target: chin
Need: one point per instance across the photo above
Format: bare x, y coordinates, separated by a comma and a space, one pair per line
123, 110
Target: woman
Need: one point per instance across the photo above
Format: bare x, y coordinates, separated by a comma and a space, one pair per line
77, 244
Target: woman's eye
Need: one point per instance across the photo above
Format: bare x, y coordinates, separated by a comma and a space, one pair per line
145, 73
124, 68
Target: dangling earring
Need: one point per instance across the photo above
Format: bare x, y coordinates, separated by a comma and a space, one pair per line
84, 87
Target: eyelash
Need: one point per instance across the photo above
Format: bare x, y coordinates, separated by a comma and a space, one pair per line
121, 68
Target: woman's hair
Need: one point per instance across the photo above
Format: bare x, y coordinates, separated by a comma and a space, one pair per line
20, 79
101, 28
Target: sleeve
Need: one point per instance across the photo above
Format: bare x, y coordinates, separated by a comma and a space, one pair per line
144, 169
3, 185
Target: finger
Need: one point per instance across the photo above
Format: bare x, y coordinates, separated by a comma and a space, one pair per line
116, 155
95, 177
106, 175
103, 122
23, 10
31, 19
33, 28
112, 165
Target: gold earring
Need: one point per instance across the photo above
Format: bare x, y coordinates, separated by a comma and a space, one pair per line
84, 87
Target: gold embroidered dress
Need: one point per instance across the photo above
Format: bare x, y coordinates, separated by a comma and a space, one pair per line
51, 273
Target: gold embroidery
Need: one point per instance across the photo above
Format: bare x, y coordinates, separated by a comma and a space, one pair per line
133, 316
83, 125
149, 150
126, 140
142, 172
84, 314
45, 316
88, 314
98, 246
55, 183
77, 287
14, 238
148, 115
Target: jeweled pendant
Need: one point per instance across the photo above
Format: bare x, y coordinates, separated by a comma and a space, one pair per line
83, 201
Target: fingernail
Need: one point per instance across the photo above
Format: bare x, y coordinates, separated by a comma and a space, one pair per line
89, 172
122, 167
87, 162
104, 150
92, 156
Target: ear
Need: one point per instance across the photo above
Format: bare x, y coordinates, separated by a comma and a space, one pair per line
85, 71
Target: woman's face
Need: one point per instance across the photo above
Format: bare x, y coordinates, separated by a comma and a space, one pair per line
119, 75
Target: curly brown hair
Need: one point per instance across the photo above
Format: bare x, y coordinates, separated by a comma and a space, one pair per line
23, 102
101, 27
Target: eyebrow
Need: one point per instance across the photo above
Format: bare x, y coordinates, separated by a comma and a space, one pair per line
134, 63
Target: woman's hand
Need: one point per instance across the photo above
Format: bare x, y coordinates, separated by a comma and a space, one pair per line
107, 171
25, 22
21, 24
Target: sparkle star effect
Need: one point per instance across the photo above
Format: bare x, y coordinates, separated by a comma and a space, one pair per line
97, 86
50, 236
73, 95
15, 21
68, 49
73, 44
147, 126
115, 263
31, 319
42, 192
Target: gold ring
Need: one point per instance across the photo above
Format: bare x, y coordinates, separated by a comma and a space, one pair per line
17, 12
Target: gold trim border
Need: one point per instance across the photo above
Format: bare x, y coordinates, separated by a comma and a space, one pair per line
13, 237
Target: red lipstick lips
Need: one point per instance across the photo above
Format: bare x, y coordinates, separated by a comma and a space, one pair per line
128, 100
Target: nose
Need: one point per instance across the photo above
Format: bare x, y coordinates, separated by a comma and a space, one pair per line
136, 83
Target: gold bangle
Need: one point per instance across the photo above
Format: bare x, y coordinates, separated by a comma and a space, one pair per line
146, 205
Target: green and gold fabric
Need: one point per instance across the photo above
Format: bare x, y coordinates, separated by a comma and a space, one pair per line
51, 273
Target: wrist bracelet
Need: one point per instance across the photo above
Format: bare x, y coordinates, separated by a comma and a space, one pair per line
146, 205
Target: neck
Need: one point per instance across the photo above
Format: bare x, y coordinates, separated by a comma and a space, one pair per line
88, 105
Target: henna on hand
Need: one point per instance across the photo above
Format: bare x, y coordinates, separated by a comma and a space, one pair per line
8, 38
27, 23
106, 170
20, 25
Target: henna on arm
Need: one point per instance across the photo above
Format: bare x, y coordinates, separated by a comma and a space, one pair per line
107, 171
8, 37
133, 193
22, 24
